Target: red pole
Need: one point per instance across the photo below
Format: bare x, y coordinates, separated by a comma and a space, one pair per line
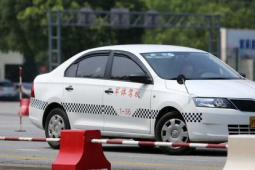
20, 98
20, 83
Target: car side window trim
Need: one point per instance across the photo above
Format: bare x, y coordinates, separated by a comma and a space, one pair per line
108, 69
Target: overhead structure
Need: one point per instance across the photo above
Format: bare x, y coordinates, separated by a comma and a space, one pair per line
125, 19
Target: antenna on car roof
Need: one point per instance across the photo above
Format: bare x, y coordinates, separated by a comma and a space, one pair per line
181, 80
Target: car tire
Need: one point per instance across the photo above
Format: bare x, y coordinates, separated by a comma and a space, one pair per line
56, 121
171, 127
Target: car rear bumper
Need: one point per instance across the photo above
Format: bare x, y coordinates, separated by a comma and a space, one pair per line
35, 116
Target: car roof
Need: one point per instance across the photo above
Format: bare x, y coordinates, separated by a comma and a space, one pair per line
146, 48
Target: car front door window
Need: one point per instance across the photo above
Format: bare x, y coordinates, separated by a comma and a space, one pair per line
123, 67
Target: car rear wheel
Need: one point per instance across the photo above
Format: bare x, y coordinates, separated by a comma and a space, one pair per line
56, 121
172, 128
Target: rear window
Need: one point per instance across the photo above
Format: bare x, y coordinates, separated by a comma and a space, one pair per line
6, 84
27, 86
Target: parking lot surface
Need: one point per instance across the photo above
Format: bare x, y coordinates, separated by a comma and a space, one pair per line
38, 155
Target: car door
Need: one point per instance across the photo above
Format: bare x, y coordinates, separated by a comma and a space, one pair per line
83, 91
126, 103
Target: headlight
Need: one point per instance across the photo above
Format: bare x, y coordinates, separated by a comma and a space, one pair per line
213, 102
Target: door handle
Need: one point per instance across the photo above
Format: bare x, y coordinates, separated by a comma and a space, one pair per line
108, 91
69, 88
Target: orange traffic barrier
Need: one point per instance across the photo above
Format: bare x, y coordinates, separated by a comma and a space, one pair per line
24, 105
78, 153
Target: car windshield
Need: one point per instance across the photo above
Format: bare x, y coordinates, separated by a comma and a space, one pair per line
193, 65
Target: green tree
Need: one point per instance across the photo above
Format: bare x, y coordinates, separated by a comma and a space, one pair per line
234, 14
23, 28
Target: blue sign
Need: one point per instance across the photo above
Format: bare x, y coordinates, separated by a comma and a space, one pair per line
247, 44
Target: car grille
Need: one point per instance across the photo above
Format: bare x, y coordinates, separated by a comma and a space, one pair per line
244, 105
240, 130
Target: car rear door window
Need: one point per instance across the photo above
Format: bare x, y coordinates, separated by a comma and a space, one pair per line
123, 67
92, 67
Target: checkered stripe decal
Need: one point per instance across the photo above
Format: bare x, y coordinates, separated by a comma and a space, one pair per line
109, 110
89, 108
154, 114
95, 109
38, 104
82, 108
145, 113
192, 117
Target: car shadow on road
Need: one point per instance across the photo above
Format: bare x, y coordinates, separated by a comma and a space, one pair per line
156, 150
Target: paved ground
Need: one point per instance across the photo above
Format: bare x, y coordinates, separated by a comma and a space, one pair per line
31, 155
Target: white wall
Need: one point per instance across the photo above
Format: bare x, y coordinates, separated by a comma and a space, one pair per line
244, 41
9, 58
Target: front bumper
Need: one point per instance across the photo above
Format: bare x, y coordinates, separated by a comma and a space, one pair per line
215, 125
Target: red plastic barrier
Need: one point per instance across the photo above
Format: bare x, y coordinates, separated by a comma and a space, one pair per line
78, 153
24, 104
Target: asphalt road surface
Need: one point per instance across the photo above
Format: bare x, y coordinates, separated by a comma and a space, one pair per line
38, 155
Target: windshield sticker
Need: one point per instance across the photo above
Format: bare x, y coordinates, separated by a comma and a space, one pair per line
170, 54
159, 55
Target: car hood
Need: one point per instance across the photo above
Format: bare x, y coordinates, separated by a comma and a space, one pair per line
216, 88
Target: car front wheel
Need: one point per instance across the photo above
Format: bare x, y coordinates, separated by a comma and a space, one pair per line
56, 121
172, 128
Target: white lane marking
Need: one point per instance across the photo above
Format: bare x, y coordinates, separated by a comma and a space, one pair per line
31, 150
191, 160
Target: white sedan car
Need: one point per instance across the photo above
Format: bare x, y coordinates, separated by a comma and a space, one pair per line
140, 92
7, 90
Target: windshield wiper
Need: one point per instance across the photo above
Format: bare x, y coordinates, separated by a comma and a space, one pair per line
176, 78
207, 78
216, 78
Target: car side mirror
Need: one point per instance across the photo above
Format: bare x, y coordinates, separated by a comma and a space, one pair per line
242, 74
181, 79
140, 78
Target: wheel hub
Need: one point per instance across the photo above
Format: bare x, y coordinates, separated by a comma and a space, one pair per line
175, 133
56, 129
56, 124
174, 130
